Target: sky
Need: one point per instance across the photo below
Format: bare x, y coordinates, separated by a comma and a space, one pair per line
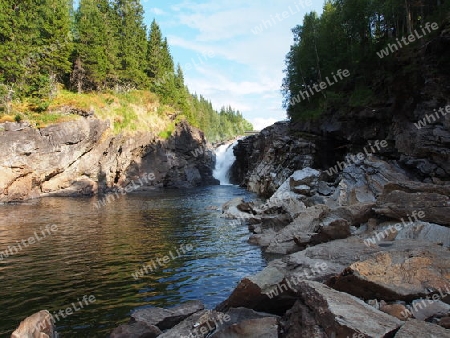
233, 51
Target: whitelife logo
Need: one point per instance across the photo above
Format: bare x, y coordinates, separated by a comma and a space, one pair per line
405, 41
318, 87
432, 118
275, 19
395, 228
24, 243
162, 262
358, 157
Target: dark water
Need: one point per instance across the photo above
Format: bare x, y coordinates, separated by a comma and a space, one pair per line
94, 252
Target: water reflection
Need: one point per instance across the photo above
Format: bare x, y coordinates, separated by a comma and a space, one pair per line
94, 252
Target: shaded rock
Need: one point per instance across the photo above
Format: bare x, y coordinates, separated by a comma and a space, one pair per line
262, 240
422, 309
319, 224
297, 234
248, 323
167, 318
306, 176
324, 189
250, 328
445, 322
426, 231
38, 325
302, 190
400, 201
136, 330
246, 207
275, 222
199, 325
251, 293
332, 312
363, 183
83, 158
300, 321
330, 230
395, 310
397, 275
287, 200
416, 328
265, 160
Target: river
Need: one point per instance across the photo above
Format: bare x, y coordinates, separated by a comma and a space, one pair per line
95, 252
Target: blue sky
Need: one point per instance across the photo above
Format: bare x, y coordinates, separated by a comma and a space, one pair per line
232, 51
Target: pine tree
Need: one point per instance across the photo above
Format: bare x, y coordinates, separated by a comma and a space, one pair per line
132, 42
96, 62
35, 44
154, 45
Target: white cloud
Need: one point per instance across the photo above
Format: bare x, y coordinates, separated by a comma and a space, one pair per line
157, 11
261, 123
246, 69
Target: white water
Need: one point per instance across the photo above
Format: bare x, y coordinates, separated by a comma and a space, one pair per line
224, 160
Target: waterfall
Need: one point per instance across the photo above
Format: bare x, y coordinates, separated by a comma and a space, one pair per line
224, 160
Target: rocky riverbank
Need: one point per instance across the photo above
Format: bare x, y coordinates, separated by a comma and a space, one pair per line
83, 157
364, 256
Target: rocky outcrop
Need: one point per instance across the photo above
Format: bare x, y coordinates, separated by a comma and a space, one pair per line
265, 160
82, 157
413, 122
375, 252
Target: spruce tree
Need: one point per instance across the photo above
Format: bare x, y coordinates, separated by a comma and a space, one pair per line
96, 46
132, 42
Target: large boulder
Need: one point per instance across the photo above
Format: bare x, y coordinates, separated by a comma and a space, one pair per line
250, 328
318, 224
251, 293
324, 312
200, 325
135, 330
166, 318
246, 323
297, 235
397, 274
38, 325
232, 209
426, 232
416, 328
402, 200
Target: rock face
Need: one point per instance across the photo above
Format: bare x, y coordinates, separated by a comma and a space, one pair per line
416, 137
82, 157
265, 160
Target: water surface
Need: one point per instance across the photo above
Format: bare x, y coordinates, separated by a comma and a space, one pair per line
95, 252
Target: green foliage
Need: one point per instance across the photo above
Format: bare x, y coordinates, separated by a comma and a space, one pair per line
38, 104
35, 43
18, 118
361, 97
348, 35
102, 46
